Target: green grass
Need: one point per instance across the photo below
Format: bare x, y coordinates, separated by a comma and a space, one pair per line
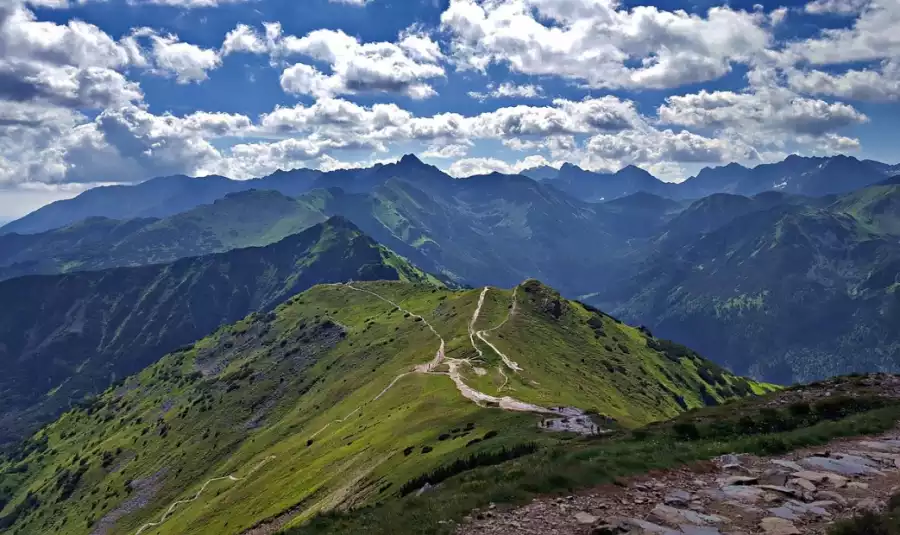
566, 467
297, 388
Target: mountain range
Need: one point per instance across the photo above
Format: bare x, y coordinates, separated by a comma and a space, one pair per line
166, 196
810, 176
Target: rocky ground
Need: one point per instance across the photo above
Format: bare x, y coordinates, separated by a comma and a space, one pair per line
800, 493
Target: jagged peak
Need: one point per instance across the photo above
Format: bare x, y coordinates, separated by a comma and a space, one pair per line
410, 159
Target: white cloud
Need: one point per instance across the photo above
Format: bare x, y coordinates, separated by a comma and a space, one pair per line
186, 62
508, 90
873, 36
481, 166
407, 68
243, 38
877, 85
595, 42
773, 112
840, 7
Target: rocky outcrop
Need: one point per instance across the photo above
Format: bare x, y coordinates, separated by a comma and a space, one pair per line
736, 495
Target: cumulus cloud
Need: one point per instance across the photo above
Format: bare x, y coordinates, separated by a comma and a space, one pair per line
408, 67
184, 61
601, 45
508, 90
774, 112
877, 84
840, 7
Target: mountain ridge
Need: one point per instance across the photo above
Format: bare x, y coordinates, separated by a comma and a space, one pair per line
73, 334
165, 196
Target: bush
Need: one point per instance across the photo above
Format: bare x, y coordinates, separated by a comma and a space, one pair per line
462, 465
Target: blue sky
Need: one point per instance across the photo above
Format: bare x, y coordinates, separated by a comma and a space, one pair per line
116, 91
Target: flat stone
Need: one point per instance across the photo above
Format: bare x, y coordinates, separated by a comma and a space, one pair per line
888, 458
858, 485
677, 497
585, 518
784, 512
791, 465
839, 466
856, 459
804, 484
644, 527
778, 526
743, 493
832, 496
675, 517
815, 477
869, 504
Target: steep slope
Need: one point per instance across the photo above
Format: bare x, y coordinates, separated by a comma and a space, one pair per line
243, 219
69, 336
787, 294
342, 397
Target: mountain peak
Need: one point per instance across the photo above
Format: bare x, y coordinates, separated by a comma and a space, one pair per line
410, 159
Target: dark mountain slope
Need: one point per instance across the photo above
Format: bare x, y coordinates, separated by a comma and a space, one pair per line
242, 219
491, 229
72, 335
790, 293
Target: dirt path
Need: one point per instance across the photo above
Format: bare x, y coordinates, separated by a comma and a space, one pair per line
482, 335
174, 505
800, 493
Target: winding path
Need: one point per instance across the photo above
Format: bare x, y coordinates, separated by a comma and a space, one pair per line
172, 507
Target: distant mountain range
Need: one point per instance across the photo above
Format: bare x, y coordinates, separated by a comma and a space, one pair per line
812, 176
166, 196
72, 335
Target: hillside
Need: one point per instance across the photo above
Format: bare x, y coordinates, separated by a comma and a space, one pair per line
70, 336
243, 219
342, 397
792, 293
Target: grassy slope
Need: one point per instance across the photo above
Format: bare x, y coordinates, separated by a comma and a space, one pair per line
275, 386
74, 334
770, 425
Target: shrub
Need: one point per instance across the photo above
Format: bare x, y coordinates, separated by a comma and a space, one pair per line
461, 465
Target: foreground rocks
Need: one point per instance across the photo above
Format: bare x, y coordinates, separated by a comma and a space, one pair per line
801, 493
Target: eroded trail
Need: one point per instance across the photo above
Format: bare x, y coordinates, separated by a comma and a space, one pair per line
174, 505
505, 402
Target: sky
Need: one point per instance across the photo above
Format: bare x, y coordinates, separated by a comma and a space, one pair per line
99, 92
